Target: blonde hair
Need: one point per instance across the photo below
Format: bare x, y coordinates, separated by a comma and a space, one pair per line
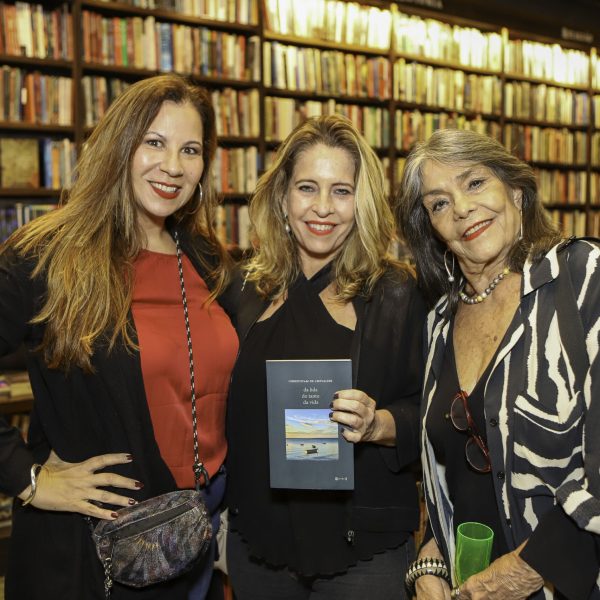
85, 248
363, 257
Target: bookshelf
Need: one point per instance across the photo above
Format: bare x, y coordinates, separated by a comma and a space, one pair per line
398, 70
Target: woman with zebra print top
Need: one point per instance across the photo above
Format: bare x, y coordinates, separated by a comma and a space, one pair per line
511, 414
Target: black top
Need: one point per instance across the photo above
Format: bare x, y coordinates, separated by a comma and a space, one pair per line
471, 492
307, 529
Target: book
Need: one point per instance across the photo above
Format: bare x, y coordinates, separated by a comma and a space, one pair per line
307, 449
19, 163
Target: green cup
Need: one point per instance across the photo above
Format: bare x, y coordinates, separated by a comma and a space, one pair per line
473, 549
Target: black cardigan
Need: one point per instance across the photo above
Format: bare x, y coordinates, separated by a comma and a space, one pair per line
387, 363
78, 415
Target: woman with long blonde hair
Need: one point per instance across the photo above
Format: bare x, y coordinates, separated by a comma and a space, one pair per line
322, 285
94, 290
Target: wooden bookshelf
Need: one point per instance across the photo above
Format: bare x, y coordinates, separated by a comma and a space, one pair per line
381, 40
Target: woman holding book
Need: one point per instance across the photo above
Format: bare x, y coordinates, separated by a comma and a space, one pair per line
94, 291
511, 412
321, 285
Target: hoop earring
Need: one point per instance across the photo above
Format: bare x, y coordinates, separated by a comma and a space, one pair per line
201, 192
448, 271
521, 225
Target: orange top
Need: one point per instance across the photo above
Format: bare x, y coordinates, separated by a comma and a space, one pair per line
158, 314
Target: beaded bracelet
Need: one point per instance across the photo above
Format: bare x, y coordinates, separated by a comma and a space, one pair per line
425, 566
35, 471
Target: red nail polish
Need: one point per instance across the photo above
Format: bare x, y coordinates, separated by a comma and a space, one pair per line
139, 484
129, 457
132, 501
114, 515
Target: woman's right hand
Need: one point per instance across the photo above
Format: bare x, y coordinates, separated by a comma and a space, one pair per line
74, 487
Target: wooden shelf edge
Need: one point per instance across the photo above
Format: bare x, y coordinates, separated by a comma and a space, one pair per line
16, 405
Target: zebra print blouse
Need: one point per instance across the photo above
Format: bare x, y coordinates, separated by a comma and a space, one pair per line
542, 422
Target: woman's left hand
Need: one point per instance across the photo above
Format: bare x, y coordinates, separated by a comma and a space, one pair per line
362, 420
507, 578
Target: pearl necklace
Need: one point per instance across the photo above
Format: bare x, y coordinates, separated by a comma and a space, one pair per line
478, 298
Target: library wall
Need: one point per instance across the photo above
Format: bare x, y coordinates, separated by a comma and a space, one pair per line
399, 70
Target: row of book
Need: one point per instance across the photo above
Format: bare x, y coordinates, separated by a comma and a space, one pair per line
283, 114
416, 126
237, 112
447, 88
547, 61
21, 158
545, 144
525, 100
235, 170
232, 225
232, 11
13, 215
596, 111
351, 23
98, 94
332, 20
430, 38
560, 187
325, 71
145, 43
36, 31
32, 97
574, 222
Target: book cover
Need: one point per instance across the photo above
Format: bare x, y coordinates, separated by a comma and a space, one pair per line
19, 163
307, 449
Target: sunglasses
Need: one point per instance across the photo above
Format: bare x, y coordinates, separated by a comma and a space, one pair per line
476, 450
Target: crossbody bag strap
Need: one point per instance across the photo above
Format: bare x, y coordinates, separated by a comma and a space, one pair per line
201, 477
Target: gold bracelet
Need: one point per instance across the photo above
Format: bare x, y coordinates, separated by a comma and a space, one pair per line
35, 471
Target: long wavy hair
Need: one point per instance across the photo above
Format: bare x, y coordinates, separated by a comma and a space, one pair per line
457, 147
363, 257
85, 248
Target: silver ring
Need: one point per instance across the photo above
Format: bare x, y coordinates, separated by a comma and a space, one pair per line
455, 593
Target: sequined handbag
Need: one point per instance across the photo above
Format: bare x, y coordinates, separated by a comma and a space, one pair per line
163, 537
155, 540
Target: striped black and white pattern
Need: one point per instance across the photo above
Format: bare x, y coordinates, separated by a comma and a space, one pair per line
542, 404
